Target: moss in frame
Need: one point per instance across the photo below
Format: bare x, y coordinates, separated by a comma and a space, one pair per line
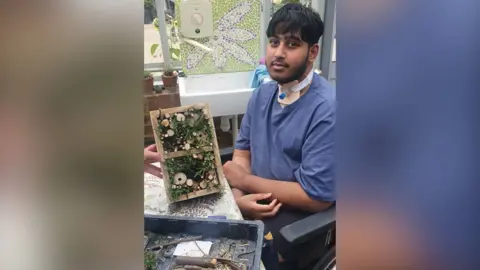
185, 130
191, 173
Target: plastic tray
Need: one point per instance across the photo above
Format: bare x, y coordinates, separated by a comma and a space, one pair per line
238, 240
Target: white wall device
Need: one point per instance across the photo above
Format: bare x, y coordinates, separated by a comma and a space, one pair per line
196, 18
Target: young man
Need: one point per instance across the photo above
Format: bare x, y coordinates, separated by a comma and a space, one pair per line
284, 151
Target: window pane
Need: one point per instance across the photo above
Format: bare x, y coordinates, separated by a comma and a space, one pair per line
152, 45
171, 24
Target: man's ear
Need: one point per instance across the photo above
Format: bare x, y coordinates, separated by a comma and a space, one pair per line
314, 50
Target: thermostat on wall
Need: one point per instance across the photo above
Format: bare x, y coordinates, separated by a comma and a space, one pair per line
196, 18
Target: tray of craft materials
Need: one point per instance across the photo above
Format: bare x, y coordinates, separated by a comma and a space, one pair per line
177, 243
186, 138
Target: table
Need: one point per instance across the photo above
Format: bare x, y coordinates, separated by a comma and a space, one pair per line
156, 203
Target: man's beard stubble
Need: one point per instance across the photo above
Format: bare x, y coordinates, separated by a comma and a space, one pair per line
296, 75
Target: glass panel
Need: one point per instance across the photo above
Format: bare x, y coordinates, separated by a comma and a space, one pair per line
172, 32
152, 43
152, 53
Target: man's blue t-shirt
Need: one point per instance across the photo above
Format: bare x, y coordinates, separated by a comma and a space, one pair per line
295, 142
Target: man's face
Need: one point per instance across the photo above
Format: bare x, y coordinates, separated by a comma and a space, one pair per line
287, 57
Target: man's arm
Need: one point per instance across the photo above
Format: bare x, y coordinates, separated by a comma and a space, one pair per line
241, 154
288, 193
242, 158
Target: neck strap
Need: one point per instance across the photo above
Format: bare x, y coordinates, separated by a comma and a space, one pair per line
295, 86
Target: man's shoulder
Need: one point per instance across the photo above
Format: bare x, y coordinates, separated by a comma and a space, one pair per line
266, 89
323, 97
263, 93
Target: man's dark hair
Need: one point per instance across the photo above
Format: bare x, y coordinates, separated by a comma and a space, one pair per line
297, 19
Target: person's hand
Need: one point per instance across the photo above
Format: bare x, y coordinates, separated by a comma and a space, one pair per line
235, 174
150, 155
250, 208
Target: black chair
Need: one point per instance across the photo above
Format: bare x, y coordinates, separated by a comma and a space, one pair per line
315, 227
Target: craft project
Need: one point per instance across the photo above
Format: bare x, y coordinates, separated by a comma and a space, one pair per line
186, 137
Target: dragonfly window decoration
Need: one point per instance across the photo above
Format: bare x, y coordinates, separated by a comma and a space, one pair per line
226, 40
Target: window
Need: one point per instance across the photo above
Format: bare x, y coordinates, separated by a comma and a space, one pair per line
155, 55
151, 35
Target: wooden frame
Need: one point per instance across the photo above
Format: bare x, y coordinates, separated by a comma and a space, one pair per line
157, 117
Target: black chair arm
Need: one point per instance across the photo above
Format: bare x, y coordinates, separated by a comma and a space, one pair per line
309, 227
